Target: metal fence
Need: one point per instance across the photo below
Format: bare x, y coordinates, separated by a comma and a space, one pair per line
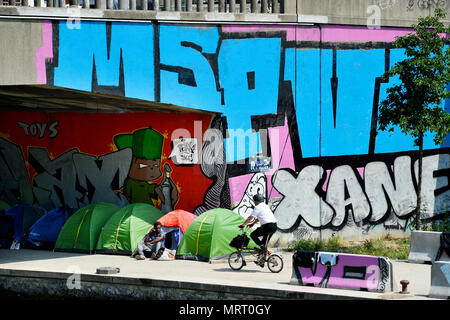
230, 6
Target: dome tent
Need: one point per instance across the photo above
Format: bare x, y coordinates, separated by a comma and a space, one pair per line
81, 231
48, 227
174, 225
24, 217
178, 218
209, 235
126, 228
4, 206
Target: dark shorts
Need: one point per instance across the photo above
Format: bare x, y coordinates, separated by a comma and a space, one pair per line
265, 231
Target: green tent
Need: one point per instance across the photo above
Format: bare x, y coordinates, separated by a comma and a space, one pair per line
81, 231
126, 228
209, 235
4, 205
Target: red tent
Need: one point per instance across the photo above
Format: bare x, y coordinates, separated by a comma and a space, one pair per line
177, 218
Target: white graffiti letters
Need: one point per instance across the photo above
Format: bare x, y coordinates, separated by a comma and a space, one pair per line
372, 199
341, 179
433, 182
39, 129
401, 192
301, 198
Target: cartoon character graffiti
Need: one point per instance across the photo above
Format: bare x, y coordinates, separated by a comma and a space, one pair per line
140, 185
257, 185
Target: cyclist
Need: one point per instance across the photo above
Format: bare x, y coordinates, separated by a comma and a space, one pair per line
264, 215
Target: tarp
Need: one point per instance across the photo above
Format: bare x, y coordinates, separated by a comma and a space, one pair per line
81, 231
178, 218
126, 228
209, 235
47, 228
24, 217
172, 238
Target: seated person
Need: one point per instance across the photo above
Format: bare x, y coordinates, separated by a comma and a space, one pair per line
153, 242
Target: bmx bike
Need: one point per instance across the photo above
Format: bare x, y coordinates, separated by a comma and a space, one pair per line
236, 260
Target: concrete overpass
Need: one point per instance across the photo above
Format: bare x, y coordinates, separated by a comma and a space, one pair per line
385, 13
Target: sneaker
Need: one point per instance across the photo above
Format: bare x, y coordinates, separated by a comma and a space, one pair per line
15, 245
153, 257
140, 257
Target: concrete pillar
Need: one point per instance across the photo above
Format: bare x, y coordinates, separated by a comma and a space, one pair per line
232, 6
156, 5
243, 6
100, 4
275, 6
200, 5
24, 3
254, 6
178, 5
264, 6
50, 3
188, 5
133, 4
222, 6
110, 4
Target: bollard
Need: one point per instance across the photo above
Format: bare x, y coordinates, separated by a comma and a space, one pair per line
404, 284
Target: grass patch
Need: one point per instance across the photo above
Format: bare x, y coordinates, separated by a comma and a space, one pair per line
388, 246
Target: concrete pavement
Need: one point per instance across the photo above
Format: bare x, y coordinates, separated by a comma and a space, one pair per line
211, 275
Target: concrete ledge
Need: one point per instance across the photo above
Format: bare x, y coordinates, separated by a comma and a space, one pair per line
117, 287
424, 246
351, 12
440, 280
140, 15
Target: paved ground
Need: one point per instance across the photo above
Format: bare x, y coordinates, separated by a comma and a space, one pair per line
211, 273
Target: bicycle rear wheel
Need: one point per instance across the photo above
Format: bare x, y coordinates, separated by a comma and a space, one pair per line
236, 260
275, 263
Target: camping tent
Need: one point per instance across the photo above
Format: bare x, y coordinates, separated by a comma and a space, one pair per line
172, 237
24, 217
174, 225
6, 226
208, 236
4, 205
126, 228
47, 228
81, 231
178, 218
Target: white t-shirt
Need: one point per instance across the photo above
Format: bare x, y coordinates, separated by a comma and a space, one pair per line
263, 213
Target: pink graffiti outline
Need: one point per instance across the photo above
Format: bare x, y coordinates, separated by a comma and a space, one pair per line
44, 52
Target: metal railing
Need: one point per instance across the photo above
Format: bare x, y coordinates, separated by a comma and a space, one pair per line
222, 6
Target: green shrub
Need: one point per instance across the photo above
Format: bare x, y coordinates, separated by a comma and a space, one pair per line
387, 246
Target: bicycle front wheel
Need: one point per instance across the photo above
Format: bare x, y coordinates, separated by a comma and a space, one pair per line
236, 260
275, 263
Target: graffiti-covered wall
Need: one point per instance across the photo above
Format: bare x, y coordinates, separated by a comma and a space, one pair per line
299, 107
68, 158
